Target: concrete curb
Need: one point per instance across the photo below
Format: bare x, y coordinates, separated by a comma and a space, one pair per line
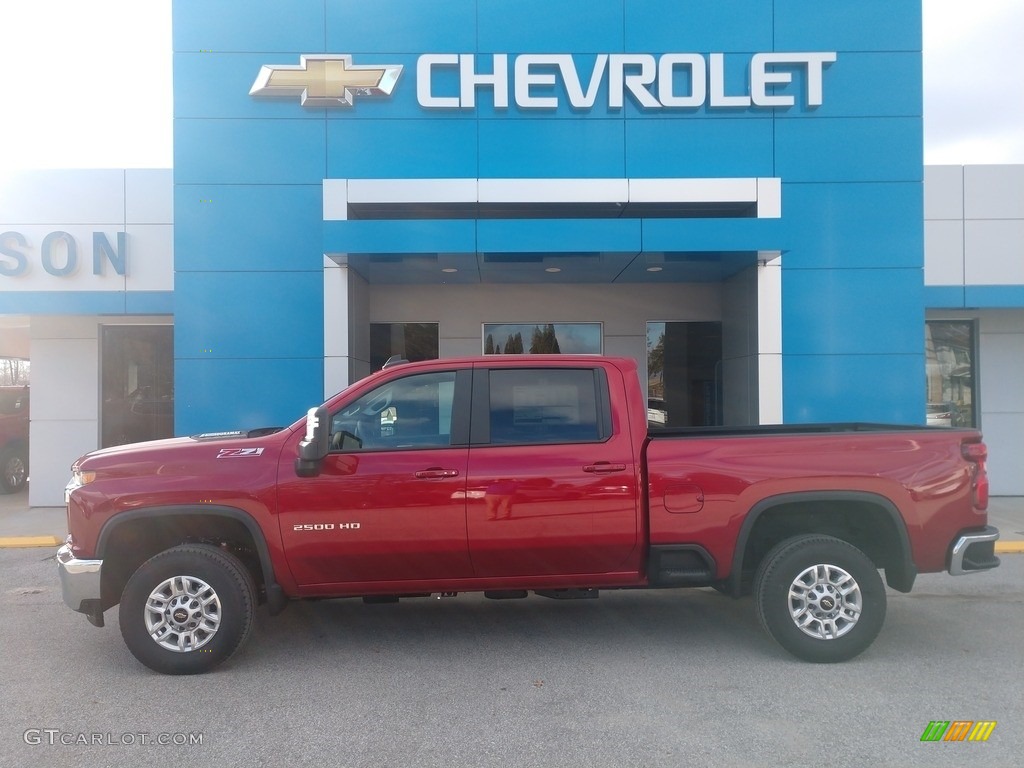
23, 542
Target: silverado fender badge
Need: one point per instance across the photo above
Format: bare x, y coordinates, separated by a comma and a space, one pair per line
238, 453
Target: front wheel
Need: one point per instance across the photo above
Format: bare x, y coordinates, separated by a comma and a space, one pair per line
820, 598
187, 609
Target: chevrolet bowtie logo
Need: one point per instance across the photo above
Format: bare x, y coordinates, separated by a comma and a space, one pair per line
326, 80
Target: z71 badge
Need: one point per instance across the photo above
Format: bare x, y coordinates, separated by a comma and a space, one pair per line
238, 453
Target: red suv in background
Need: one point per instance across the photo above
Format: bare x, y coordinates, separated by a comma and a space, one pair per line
13, 438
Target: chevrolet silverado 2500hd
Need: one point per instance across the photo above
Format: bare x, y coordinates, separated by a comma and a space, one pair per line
506, 475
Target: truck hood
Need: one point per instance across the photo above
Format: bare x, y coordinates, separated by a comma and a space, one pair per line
213, 445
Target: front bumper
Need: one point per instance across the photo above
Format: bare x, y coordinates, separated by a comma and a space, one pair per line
974, 551
80, 584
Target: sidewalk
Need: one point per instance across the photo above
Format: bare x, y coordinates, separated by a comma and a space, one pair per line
22, 526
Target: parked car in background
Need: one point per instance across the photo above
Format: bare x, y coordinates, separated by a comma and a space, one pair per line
13, 438
944, 415
657, 412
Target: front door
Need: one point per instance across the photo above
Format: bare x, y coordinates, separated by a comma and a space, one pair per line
389, 502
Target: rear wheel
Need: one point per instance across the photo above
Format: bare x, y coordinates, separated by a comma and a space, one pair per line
187, 609
13, 470
820, 598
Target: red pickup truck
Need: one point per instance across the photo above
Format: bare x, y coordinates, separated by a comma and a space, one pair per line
505, 475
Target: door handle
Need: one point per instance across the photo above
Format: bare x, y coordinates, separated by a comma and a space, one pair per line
604, 466
436, 472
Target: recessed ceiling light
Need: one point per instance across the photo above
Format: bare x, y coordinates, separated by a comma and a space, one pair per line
654, 269
449, 269
553, 269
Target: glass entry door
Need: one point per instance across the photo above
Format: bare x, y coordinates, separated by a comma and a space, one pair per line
137, 383
684, 374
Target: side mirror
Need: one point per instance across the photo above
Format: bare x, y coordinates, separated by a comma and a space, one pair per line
315, 445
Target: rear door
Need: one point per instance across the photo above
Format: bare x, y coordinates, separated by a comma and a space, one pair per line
552, 485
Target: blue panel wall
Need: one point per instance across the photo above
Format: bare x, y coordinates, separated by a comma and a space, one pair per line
850, 311
540, 26
401, 26
867, 25
551, 148
699, 148
249, 235
237, 227
244, 25
401, 149
853, 278
699, 25
841, 383
248, 218
830, 232
229, 394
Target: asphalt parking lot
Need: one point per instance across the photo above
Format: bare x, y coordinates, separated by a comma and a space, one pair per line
663, 678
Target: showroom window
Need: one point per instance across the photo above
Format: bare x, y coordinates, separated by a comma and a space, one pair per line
950, 373
684, 374
542, 338
413, 341
137, 385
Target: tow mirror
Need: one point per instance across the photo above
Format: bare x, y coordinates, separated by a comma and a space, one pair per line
315, 445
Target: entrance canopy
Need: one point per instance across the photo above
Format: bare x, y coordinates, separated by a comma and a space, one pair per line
544, 230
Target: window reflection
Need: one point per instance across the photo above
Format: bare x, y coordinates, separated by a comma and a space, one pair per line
949, 351
684, 374
137, 383
413, 341
542, 338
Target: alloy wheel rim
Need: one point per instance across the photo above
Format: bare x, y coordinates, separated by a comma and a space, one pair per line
825, 602
183, 613
14, 471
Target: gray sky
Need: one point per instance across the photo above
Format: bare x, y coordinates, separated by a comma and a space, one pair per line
973, 81
87, 83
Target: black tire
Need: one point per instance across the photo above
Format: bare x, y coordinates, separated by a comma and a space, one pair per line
208, 598
800, 580
13, 469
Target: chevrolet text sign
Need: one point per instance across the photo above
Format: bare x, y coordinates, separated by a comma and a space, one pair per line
649, 80
672, 80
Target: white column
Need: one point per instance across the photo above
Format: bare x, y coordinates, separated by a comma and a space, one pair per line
346, 327
65, 402
769, 338
336, 336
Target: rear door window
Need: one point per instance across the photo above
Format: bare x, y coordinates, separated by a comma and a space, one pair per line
541, 406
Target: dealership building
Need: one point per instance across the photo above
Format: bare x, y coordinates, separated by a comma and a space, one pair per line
732, 194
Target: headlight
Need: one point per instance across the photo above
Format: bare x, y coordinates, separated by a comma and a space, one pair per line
78, 479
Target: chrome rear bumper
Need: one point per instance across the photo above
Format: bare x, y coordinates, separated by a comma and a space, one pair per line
974, 552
